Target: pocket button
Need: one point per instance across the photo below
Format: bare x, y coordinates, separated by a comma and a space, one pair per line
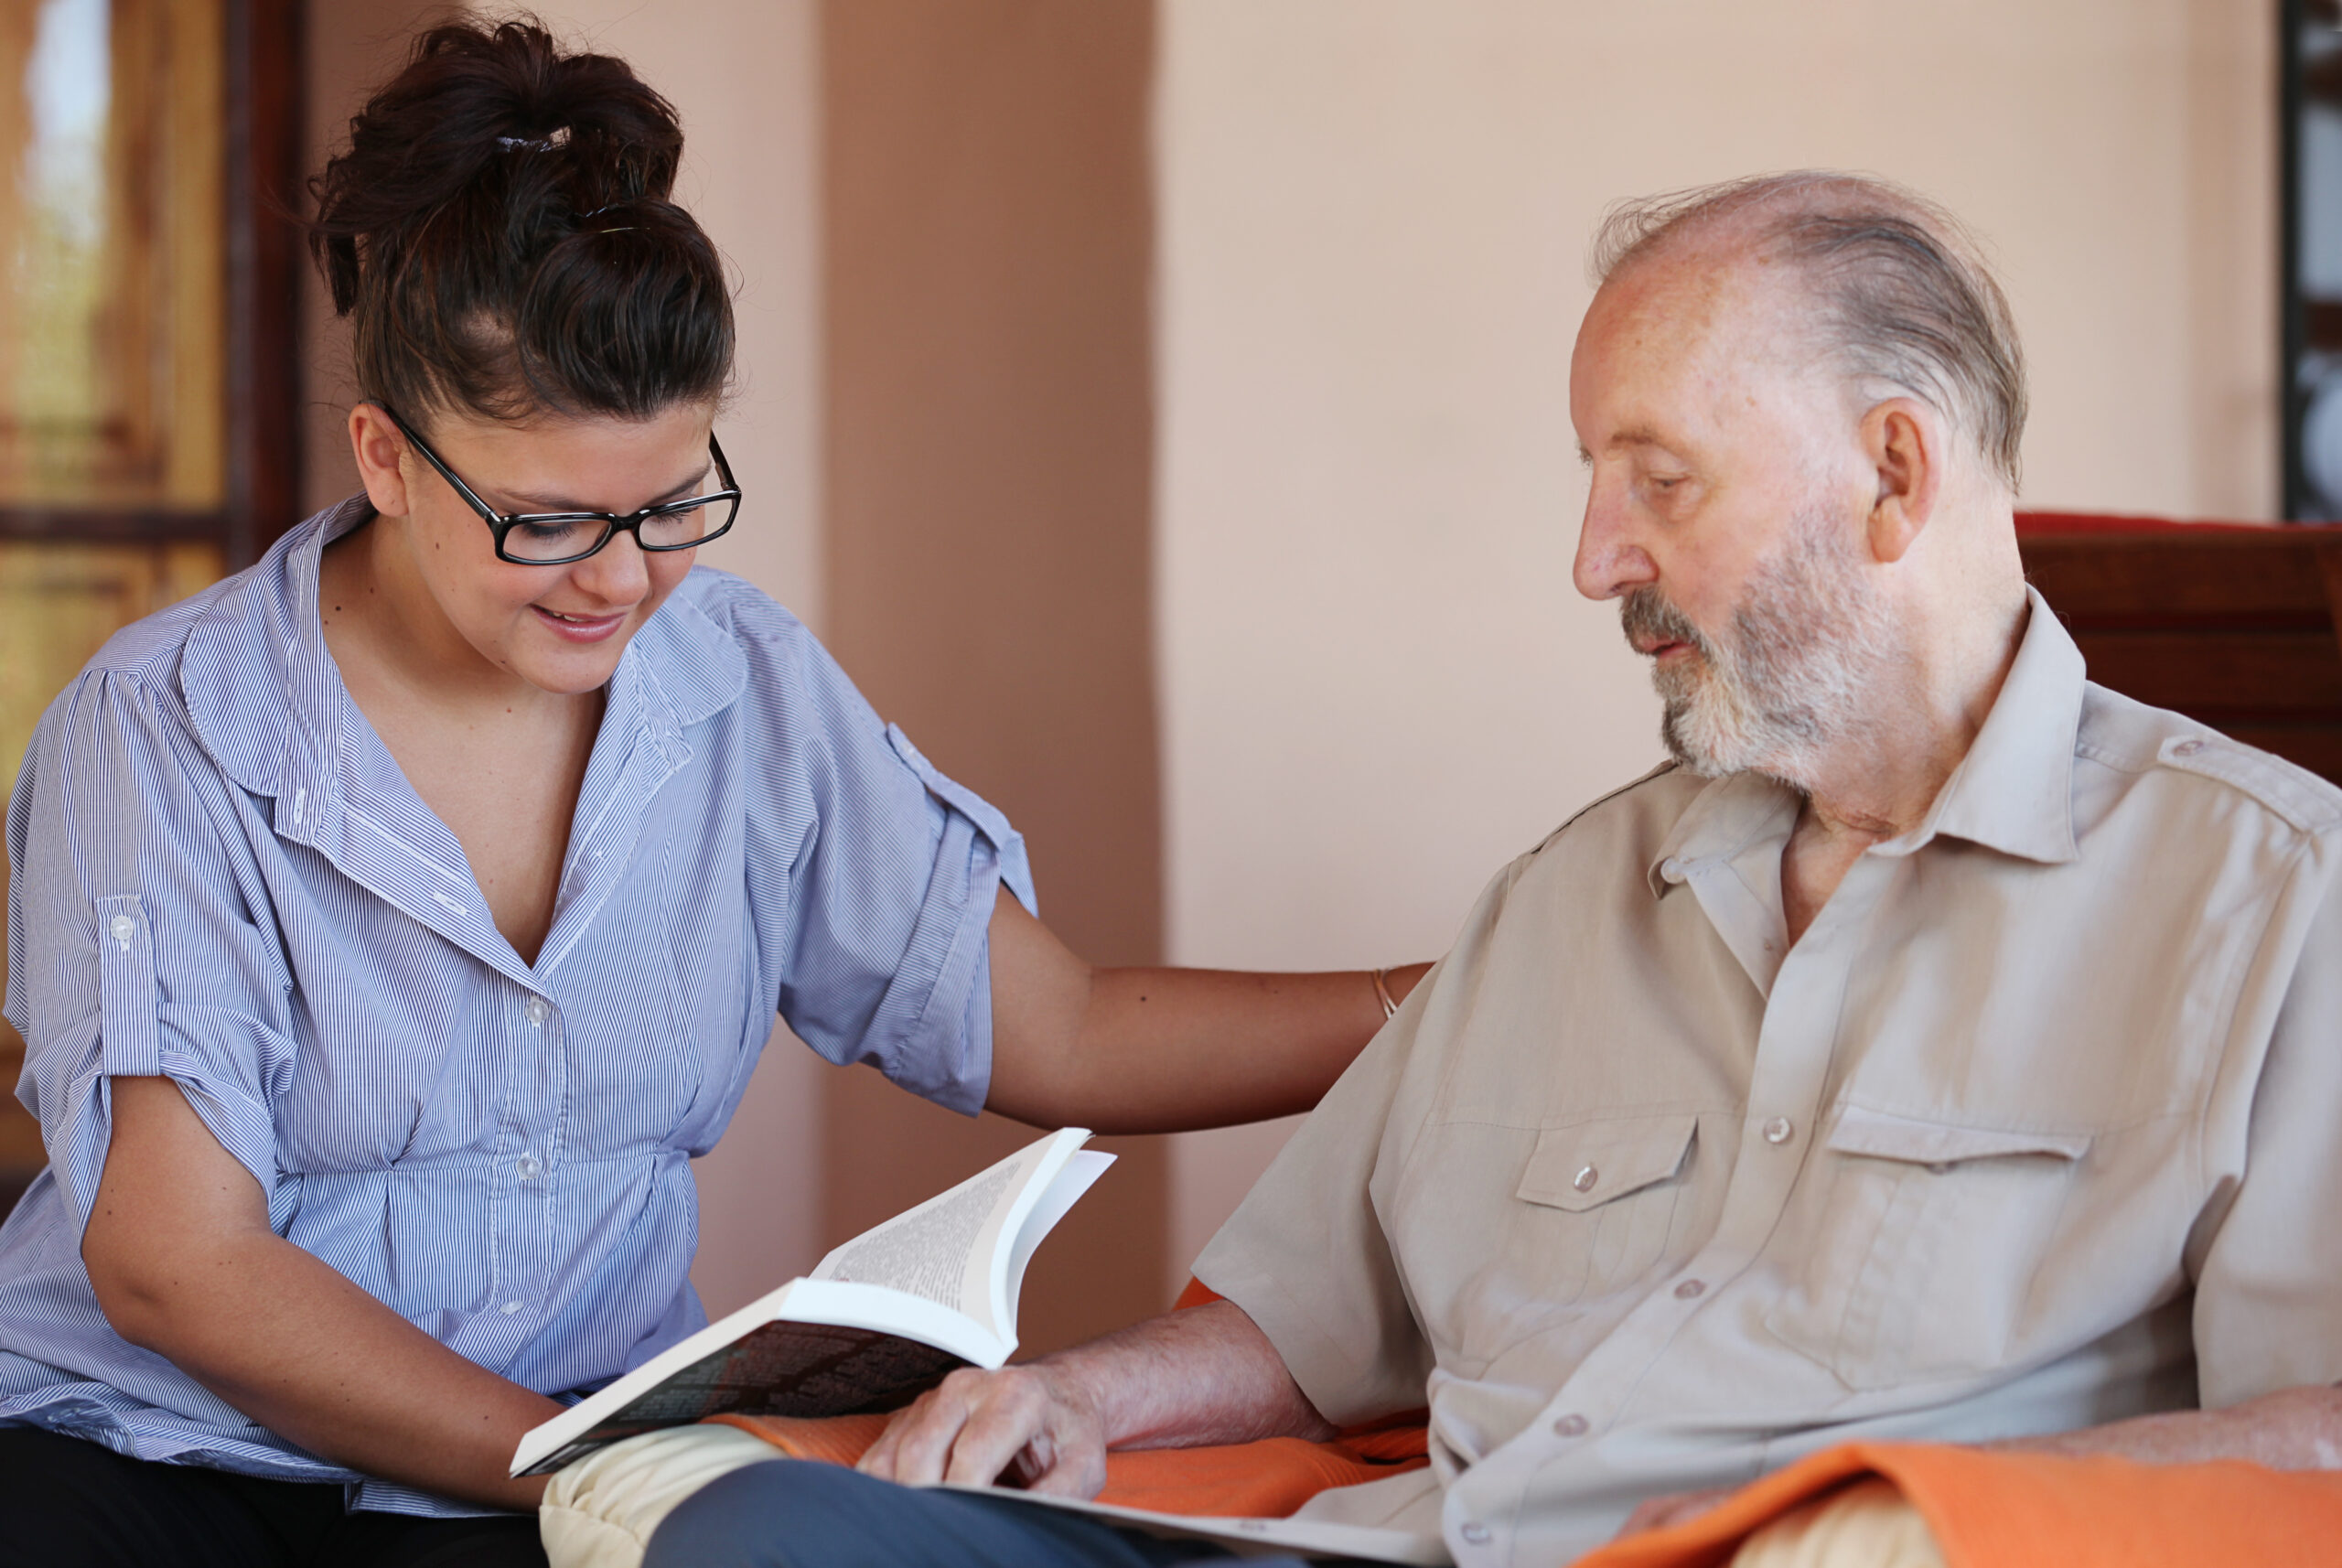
1584, 1180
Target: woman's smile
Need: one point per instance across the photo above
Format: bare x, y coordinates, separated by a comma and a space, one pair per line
574, 628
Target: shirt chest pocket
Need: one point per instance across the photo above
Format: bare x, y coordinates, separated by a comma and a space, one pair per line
1914, 1255
1598, 1201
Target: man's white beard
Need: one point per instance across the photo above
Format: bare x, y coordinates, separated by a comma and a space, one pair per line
1793, 676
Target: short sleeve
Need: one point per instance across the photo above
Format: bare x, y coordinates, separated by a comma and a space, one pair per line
884, 955
132, 947
1306, 1258
2267, 1291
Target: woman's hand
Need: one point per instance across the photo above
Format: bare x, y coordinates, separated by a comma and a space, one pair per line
179, 1249
1163, 1050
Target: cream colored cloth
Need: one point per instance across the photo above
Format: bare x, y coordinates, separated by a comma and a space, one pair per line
2035, 1127
599, 1512
1868, 1525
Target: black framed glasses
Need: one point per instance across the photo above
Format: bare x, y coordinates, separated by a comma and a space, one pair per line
558, 538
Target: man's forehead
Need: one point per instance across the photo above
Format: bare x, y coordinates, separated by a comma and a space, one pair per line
1700, 319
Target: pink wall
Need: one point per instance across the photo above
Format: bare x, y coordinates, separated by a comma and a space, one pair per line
1365, 251
1376, 684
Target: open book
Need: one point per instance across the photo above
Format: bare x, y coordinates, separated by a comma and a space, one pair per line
883, 1319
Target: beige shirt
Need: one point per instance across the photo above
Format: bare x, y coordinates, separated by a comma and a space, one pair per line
2036, 1128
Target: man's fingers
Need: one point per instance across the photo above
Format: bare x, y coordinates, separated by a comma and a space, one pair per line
1010, 1416
1073, 1473
913, 1447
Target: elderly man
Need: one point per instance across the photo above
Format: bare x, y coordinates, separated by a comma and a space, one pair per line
1940, 1046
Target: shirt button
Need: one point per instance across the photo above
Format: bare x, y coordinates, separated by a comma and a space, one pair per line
511, 1307
536, 1010
1584, 1181
1690, 1289
527, 1168
1473, 1530
1778, 1130
2188, 749
1570, 1426
123, 927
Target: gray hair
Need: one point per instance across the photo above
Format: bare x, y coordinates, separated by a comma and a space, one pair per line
1905, 296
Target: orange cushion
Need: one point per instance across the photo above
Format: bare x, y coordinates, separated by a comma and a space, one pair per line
2030, 1510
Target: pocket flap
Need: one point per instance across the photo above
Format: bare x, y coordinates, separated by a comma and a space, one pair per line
1580, 1168
1881, 1135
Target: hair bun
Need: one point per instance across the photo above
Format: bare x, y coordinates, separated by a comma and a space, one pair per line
475, 169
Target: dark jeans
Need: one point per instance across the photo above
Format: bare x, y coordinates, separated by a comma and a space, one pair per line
65, 1503
798, 1514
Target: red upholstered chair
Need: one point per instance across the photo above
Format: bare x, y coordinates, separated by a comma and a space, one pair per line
2233, 624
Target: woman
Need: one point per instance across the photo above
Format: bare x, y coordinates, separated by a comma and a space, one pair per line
395, 920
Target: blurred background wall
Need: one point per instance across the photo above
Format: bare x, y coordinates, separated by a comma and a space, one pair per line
1160, 409
1377, 684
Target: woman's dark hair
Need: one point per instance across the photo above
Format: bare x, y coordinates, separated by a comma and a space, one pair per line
500, 232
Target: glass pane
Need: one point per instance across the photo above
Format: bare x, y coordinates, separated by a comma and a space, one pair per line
113, 316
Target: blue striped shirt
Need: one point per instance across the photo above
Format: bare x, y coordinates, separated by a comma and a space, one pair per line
220, 874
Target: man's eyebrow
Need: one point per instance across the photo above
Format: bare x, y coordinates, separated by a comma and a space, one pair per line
1635, 435
524, 500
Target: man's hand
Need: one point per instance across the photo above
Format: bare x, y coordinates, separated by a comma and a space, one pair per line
1205, 1375
1033, 1425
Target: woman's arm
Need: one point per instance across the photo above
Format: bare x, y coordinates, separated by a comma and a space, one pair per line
1162, 1050
184, 1264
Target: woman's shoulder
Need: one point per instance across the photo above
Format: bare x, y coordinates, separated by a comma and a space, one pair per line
742, 610
781, 657
217, 665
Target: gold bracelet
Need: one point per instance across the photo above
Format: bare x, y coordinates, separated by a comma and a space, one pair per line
1383, 994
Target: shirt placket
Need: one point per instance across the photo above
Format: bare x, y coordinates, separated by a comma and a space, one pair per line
1790, 1074
524, 1181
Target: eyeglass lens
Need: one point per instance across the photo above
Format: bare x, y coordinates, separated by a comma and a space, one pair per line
559, 539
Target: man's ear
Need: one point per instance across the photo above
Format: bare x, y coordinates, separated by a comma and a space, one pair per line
1903, 438
377, 444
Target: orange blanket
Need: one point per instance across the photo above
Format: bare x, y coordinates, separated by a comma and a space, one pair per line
1987, 1511
2027, 1510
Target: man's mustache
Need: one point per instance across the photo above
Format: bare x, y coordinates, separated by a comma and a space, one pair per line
1647, 617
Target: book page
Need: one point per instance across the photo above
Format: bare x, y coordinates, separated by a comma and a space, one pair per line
1252, 1537
1057, 1200
883, 1316
944, 1249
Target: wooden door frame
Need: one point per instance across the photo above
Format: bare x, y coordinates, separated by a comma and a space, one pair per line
263, 236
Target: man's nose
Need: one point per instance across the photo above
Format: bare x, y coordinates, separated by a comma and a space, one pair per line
1610, 561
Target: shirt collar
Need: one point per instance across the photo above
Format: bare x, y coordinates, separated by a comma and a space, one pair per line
257, 679
2012, 792
259, 658
2015, 789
